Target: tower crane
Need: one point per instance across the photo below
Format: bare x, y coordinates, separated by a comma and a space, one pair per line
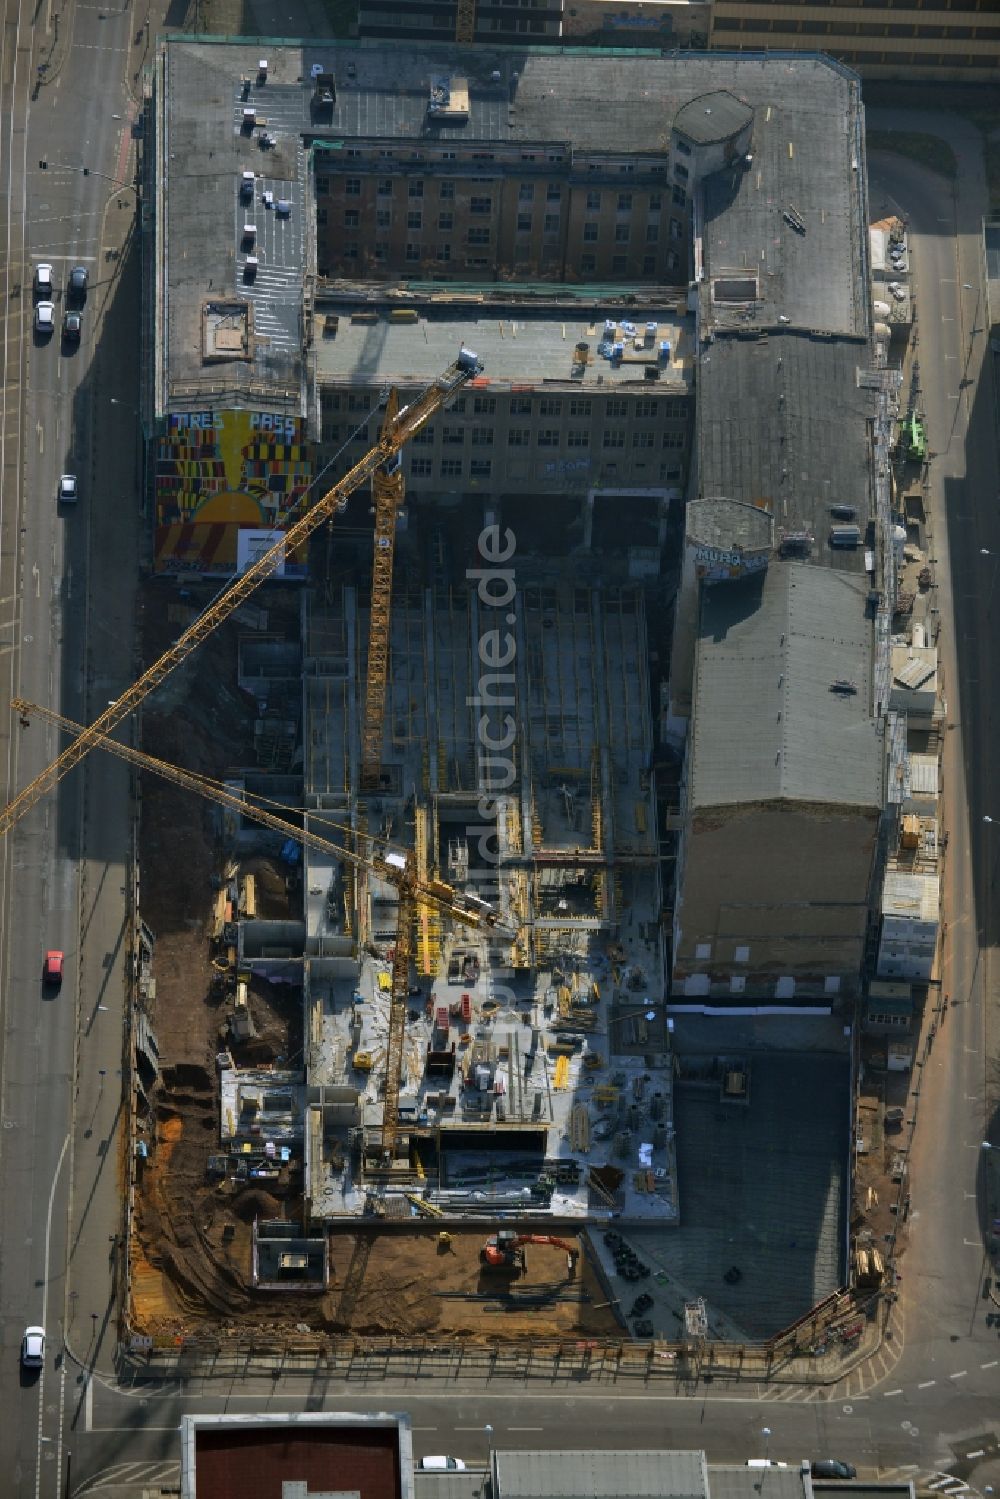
387, 493
465, 22
397, 869
392, 438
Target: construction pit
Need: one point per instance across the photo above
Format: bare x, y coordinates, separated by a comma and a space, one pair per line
535, 1074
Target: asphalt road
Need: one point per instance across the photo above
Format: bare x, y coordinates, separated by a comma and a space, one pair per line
62, 102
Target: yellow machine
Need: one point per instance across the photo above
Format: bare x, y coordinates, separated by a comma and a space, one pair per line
396, 868
394, 436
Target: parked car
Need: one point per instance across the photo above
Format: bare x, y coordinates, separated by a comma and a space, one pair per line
43, 281
71, 325
442, 1465
832, 1467
68, 492
52, 973
76, 286
45, 317
33, 1347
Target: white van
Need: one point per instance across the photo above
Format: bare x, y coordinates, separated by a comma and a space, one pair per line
442, 1465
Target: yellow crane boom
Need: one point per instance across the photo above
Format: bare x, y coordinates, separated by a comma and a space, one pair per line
387, 492
397, 869
391, 440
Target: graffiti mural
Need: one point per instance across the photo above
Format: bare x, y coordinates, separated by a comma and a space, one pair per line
219, 473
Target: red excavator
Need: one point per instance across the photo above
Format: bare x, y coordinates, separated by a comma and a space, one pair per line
505, 1250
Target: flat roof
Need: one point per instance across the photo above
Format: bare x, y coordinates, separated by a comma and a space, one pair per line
515, 347
601, 1475
783, 686
591, 98
249, 1457
913, 897
201, 250
792, 221
782, 422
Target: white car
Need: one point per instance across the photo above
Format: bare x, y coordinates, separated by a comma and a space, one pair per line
442, 1465
33, 1347
43, 280
68, 492
45, 317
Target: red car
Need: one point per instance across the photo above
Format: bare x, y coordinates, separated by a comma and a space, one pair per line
53, 970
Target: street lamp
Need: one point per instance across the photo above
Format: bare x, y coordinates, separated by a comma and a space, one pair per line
766, 1434
489, 1453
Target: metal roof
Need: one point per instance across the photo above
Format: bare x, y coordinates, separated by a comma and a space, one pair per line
782, 694
925, 775
601, 1475
741, 1482
914, 897
781, 422
717, 521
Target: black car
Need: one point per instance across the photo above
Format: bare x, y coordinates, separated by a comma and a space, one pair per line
829, 1467
72, 324
76, 287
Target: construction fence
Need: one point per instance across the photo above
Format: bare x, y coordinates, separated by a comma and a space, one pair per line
820, 1349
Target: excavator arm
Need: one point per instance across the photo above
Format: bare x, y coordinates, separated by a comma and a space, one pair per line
392, 439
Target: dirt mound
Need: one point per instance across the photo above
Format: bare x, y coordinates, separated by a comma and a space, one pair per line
256, 1204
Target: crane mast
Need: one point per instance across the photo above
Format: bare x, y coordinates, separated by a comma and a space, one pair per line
396, 869
387, 491
407, 422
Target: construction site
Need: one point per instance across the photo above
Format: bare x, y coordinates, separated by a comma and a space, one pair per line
438, 736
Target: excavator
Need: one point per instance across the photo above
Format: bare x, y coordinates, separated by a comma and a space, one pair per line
505, 1250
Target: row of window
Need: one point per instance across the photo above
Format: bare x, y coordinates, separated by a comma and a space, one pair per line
916, 31
696, 984
525, 224
524, 437
483, 202
482, 468
640, 408
626, 165
415, 254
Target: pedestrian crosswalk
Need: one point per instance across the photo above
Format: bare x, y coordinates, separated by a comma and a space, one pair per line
131, 1480
929, 1481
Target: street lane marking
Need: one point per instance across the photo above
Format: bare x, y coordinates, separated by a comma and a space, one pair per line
991, 1365
45, 1308
960, 1375
926, 1384
538, 1428
886, 1394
